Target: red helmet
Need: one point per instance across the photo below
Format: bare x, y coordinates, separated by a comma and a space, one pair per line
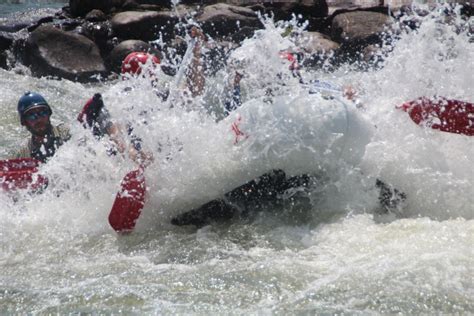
132, 64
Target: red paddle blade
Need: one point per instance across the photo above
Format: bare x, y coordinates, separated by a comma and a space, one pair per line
451, 116
128, 202
20, 174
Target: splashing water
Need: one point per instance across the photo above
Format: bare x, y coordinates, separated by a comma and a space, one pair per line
58, 254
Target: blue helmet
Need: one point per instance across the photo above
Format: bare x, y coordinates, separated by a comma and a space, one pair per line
29, 101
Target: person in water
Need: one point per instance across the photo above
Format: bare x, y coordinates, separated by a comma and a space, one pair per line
35, 114
96, 117
134, 63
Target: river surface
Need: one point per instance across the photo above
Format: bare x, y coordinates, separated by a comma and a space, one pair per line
330, 250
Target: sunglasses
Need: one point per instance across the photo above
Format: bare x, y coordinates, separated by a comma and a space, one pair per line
36, 115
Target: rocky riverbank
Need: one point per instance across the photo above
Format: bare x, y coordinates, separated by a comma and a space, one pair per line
88, 39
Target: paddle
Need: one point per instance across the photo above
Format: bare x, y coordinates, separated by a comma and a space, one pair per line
447, 115
184, 63
128, 202
20, 174
452, 116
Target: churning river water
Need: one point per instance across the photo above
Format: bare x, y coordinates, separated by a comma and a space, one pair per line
330, 251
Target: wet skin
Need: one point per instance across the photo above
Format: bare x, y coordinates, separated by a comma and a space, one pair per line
38, 125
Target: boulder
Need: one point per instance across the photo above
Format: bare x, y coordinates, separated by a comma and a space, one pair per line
6, 40
118, 54
3, 60
220, 20
12, 28
95, 16
53, 52
338, 5
359, 27
316, 43
244, 33
82, 7
130, 5
285, 9
316, 48
144, 25
41, 21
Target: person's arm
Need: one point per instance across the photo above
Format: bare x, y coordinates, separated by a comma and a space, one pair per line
233, 98
95, 116
115, 135
139, 156
195, 75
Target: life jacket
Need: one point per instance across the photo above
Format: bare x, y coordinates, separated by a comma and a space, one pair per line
56, 138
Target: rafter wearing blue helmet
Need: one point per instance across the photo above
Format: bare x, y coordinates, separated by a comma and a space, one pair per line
45, 139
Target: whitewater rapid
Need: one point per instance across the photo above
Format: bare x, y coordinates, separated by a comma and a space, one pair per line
340, 254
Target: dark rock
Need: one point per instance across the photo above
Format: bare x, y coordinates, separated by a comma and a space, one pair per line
284, 10
319, 24
41, 21
242, 34
163, 3
82, 7
99, 33
221, 20
130, 5
95, 16
3, 60
118, 54
151, 7
53, 52
6, 40
69, 24
12, 28
144, 25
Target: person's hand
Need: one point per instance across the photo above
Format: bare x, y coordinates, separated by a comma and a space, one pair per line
197, 33
142, 158
349, 92
238, 76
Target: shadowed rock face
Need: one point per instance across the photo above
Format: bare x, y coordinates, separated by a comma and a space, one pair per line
82, 7
143, 25
50, 51
6, 40
223, 19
